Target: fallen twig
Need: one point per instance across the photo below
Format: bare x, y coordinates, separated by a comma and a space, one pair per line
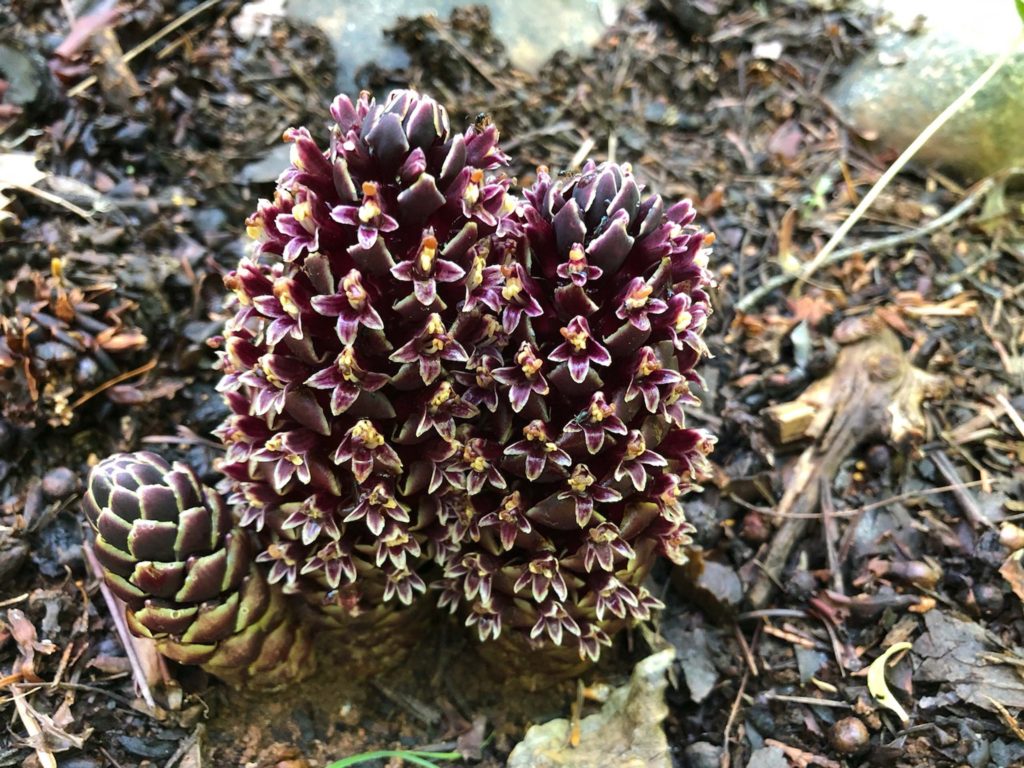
754, 297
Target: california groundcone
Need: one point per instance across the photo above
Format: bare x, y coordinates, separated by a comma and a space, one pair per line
171, 551
431, 380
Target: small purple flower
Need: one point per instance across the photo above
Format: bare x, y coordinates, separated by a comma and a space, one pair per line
351, 306
483, 283
599, 419
519, 293
300, 229
284, 309
477, 466
346, 379
285, 558
540, 451
366, 448
428, 348
288, 453
440, 411
476, 571
584, 491
524, 378
478, 379
615, 598
685, 322
690, 449
425, 270
553, 619
335, 560
542, 575
648, 377
592, 637
510, 518
403, 584
577, 269
604, 542
395, 546
636, 304
315, 514
480, 198
378, 507
579, 349
636, 459
486, 619
672, 405
369, 217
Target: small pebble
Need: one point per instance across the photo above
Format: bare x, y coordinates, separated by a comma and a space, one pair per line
59, 483
878, 458
989, 598
849, 736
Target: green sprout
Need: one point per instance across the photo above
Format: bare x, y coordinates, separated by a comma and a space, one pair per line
422, 758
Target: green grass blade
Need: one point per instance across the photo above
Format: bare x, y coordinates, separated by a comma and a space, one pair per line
414, 757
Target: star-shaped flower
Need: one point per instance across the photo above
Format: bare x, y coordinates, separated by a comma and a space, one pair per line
579, 349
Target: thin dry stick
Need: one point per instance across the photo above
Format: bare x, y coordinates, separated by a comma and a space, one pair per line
114, 381
904, 158
752, 298
148, 43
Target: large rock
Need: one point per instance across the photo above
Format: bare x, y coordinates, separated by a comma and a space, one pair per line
929, 53
531, 30
626, 733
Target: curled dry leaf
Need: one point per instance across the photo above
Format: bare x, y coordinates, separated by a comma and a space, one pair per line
877, 685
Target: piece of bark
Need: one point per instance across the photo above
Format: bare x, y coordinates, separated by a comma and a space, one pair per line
874, 392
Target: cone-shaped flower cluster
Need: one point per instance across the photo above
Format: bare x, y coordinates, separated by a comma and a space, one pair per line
338, 365
556, 499
432, 382
172, 552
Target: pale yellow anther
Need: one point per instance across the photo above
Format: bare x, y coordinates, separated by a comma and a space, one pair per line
367, 434
427, 254
268, 373
435, 326
303, 212
683, 320
638, 298
354, 291
648, 365
274, 443
512, 288
442, 396
347, 365
535, 432
368, 211
284, 295
581, 479
635, 447
255, 229
578, 339
541, 568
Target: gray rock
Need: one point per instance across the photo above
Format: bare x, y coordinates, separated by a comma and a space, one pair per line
626, 733
928, 54
702, 754
768, 757
531, 30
